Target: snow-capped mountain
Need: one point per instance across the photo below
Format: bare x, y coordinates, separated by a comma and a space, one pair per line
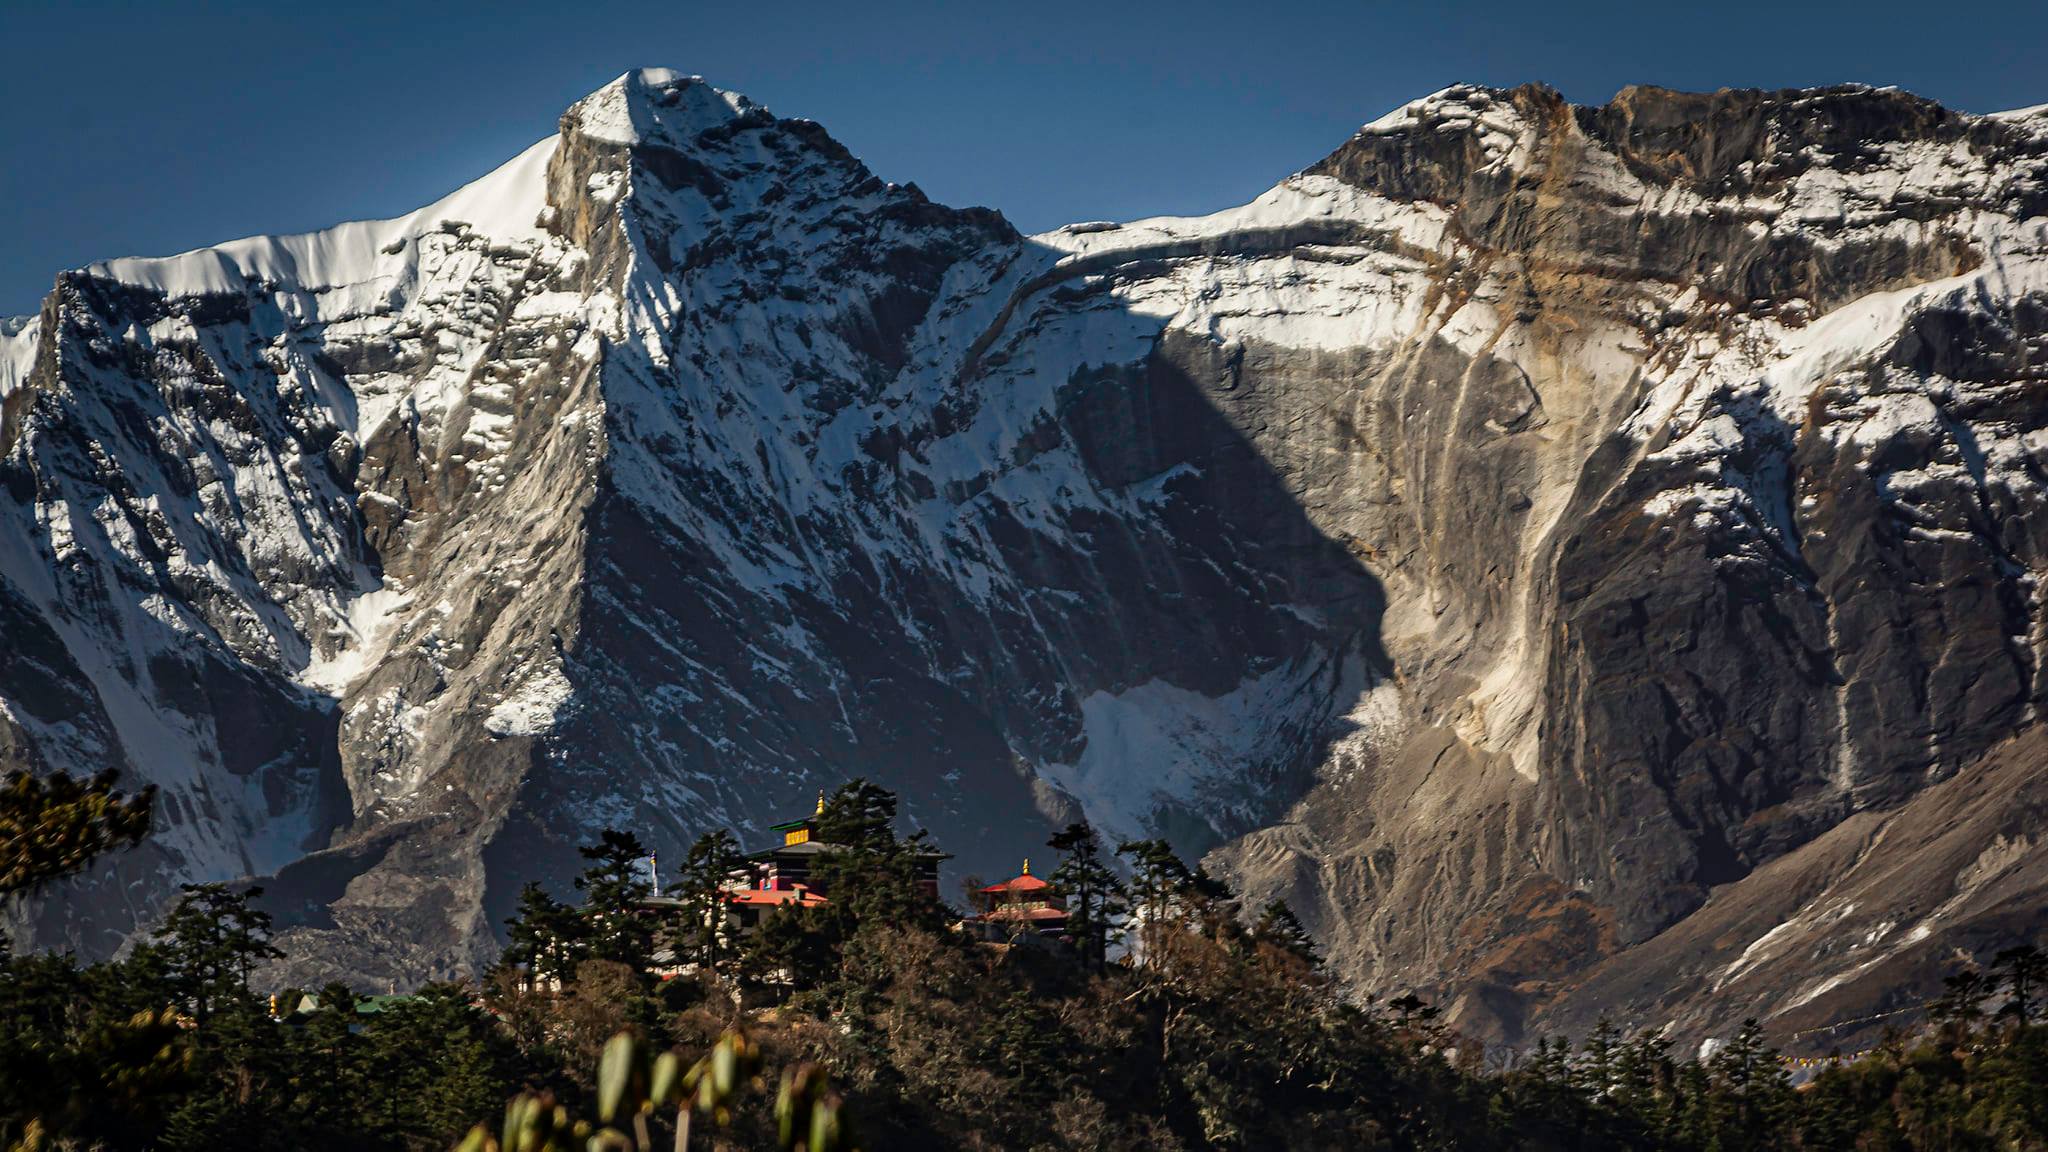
1583, 557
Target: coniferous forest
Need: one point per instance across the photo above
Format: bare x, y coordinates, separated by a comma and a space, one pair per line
619, 1018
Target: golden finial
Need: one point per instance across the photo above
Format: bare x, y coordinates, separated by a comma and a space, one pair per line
821, 803
1027, 865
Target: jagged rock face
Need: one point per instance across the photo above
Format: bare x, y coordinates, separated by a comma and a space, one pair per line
1583, 557
1780, 573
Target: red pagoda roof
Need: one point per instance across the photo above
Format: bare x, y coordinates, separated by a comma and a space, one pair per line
1023, 882
1018, 884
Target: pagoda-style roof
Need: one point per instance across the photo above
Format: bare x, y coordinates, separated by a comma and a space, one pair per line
1022, 882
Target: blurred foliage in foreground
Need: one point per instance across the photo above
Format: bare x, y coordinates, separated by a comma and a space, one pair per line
52, 826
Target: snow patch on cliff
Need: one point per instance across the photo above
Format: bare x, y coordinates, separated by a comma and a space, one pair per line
1156, 747
531, 708
361, 636
20, 337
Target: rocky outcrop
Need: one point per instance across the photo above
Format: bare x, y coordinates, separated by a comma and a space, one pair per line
1571, 553
1783, 578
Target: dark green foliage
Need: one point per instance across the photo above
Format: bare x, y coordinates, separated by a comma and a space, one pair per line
433, 1062
1750, 1096
877, 876
74, 1058
84, 1070
1021, 1042
55, 825
615, 887
1960, 1007
874, 877
792, 946
860, 814
546, 939
2021, 972
1278, 927
1095, 896
203, 953
1160, 883
897, 1033
700, 931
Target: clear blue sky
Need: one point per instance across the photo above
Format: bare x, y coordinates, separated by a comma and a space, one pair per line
141, 129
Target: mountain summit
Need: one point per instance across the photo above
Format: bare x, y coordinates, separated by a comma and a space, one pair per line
1588, 560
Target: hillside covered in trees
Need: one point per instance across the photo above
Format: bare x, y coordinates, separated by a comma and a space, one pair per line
1175, 1018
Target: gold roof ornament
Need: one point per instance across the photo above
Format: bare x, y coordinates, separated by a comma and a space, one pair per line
1027, 866
821, 803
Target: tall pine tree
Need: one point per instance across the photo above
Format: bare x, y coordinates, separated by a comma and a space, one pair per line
1159, 881
1280, 928
859, 814
1096, 899
615, 889
708, 871
208, 946
546, 938
874, 876
2020, 971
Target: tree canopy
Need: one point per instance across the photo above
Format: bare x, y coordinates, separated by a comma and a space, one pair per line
52, 826
868, 1022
